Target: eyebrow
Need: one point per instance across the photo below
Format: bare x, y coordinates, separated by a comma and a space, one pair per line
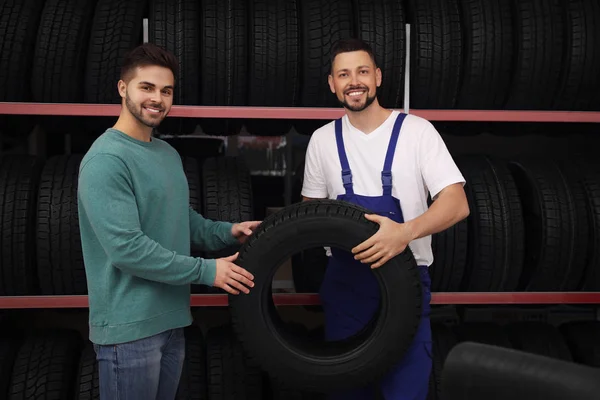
153, 85
346, 69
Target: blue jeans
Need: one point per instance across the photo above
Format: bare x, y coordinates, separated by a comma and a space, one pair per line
145, 369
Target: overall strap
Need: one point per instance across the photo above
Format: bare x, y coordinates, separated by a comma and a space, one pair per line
346, 173
386, 174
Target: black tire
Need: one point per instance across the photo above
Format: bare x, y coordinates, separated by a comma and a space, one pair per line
274, 57
192, 385
8, 352
436, 53
60, 263
587, 175
60, 51
381, 23
482, 332
231, 375
46, 366
539, 53
88, 384
227, 189
19, 177
323, 24
580, 83
325, 366
496, 231
538, 338
488, 54
556, 242
450, 249
475, 371
191, 167
175, 27
19, 22
223, 61
583, 339
117, 28
444, 341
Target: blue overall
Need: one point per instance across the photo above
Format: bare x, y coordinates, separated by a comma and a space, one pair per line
350, 292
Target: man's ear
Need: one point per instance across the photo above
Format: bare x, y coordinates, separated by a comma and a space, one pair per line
378, 76
122, 87
331, 86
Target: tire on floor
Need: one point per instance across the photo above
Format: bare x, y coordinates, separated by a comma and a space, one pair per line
324, 366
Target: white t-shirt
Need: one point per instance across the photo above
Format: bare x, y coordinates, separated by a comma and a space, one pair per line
421, 164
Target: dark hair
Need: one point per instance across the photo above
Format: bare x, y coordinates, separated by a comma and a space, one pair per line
351, 44
148, 54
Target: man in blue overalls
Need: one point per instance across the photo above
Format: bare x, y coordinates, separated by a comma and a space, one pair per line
387, 162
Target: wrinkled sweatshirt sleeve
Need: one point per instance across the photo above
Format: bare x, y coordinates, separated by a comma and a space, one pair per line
210, 235
106, 195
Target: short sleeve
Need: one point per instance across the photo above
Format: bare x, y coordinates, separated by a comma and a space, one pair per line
315, 185
438, 168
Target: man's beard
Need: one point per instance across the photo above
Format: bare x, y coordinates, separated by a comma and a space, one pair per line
138, 113
358, 107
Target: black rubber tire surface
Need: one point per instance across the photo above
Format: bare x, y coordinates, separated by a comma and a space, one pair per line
496, 229
175, 27
191, 167
436, 53
192, 385
444, 340
475, 371
223, 61
227, 189
587, 174
323, 24
538, 338
539, 54
88, 384
325, 366
381, 23
488, 54
19, 177
580, 84
19, 22
556, 242
274, 57
46, 366
450, 249
60, 51
8, 351
231, 375
60, 263
117, 28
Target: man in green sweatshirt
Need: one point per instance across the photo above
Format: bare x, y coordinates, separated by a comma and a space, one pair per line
136, 231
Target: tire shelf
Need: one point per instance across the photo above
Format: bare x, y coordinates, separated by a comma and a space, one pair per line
77, 109
299, 299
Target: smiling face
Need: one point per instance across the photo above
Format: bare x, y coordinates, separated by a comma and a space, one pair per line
148, 94
354, 80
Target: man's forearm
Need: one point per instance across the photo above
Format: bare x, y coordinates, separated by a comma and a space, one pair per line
450, 208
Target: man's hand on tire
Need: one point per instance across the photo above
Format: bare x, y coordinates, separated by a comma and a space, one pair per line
231, 278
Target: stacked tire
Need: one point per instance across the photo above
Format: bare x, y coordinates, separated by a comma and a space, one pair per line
467, 54
40, 242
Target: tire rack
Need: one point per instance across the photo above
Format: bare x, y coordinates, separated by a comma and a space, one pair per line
221, 300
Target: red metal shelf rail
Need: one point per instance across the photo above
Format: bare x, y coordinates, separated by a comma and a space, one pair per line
294, 299
78, 109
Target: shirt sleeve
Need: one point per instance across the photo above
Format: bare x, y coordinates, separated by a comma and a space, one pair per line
106, 196
210, 235
314, 185
438, 168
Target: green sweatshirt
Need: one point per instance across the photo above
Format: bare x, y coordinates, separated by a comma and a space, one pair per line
136, 233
